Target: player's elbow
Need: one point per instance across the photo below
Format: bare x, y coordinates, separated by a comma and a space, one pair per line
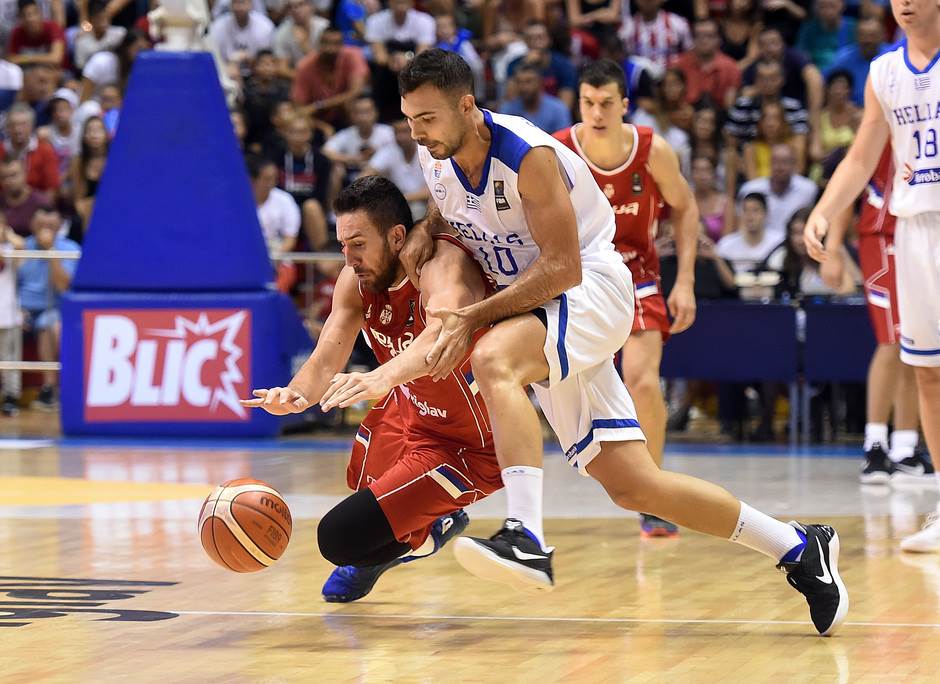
568, 272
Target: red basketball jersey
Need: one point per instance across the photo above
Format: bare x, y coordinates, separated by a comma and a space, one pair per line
451, 410
635, 199
875, 218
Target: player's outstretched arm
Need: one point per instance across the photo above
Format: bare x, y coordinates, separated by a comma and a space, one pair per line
328, 358
664, 167
851, 175
449, 281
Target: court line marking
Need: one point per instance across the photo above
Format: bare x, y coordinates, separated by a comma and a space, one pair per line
530, 618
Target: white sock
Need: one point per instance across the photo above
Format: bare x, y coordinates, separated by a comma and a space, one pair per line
771, 537
876, 433
524, 497
903, 443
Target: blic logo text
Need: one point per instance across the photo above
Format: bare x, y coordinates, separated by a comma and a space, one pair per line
166, 365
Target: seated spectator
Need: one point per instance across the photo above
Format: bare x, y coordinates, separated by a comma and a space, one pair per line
263, 90
18, 201
802, 81
36, 40
452, 39
669, 116
307, 175
705, 138
53, 10
278, 215
397, 30
748, 248
504, 46
715, 209
839, 119
741, 123
39, 83
785, 16
532, 103
558, 73
123, 13
784, 191
714, 278
112, 67
349, 17
330, 78
654, 33
240, 128
354, 146
111, 103
11, 82
826, 32
41, 283
599, 18
511, 16
101, 36
740, 27
400, 164
62, 133
240, 34
42, 165
298, 35
772, 129
856, 59
11, 333
88, 167
707, 70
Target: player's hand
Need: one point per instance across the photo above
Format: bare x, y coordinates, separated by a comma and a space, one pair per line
813, 233
831, 270
417, 250
681, 305
348, 388
278, 401
452, 343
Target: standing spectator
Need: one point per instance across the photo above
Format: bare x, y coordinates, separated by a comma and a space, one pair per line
11, 82
827, 32
18, 201
749, 247
88, 167
452, 39
101, 36
36, 40
112, 67
11, 334
298, 35
41, 283
400, 164
707, 70
714, 207
38, 157
263, 90
532, 103
655, 34
740, 27
742, 118
772, 129
785, 16
558, 73
307, 176
856, 59
784, 192
62, 133
354, 146
240, 34
328, 79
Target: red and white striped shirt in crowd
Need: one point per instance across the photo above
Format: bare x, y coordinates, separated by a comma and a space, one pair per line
666, 36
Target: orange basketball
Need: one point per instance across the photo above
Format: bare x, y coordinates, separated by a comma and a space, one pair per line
244, 525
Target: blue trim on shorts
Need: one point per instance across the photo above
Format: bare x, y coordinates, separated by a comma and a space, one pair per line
562, 329
920, 352
600, 424
445, 471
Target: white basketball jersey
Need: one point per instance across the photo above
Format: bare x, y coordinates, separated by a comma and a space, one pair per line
911, 103
489, 217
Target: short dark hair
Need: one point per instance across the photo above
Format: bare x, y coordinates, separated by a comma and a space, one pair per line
843, 74
264, 53
775, 63
380, 198
446, 71
23, 4
256, 162
528, 66
602, 72
758, 197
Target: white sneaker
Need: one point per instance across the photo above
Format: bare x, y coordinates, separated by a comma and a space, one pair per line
927, 540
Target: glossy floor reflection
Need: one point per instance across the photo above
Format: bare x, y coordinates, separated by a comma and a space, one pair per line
103, 579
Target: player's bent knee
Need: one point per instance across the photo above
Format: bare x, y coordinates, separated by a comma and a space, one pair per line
643, 386
334, 538
489, 364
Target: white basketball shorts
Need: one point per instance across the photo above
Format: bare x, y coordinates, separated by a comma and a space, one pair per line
584, 399
917, 257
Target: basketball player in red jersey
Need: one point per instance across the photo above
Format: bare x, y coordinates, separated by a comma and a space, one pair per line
891, 383
425, 450
638, 171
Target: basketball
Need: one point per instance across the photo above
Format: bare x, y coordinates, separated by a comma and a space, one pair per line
244, 525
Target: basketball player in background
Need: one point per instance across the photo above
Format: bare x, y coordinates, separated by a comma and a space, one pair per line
425, 449
891, 383
536, 221
638, 171
902, 102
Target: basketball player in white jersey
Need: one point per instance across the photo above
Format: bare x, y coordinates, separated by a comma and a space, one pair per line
536, 220
902, 100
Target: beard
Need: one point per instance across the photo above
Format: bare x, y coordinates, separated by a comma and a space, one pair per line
385, 277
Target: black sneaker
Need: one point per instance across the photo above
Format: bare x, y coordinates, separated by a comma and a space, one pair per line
511, 556
917, 468
878, 467
46, 400
10, 406
816, 576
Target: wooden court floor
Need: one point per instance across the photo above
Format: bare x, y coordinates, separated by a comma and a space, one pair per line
102, 579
